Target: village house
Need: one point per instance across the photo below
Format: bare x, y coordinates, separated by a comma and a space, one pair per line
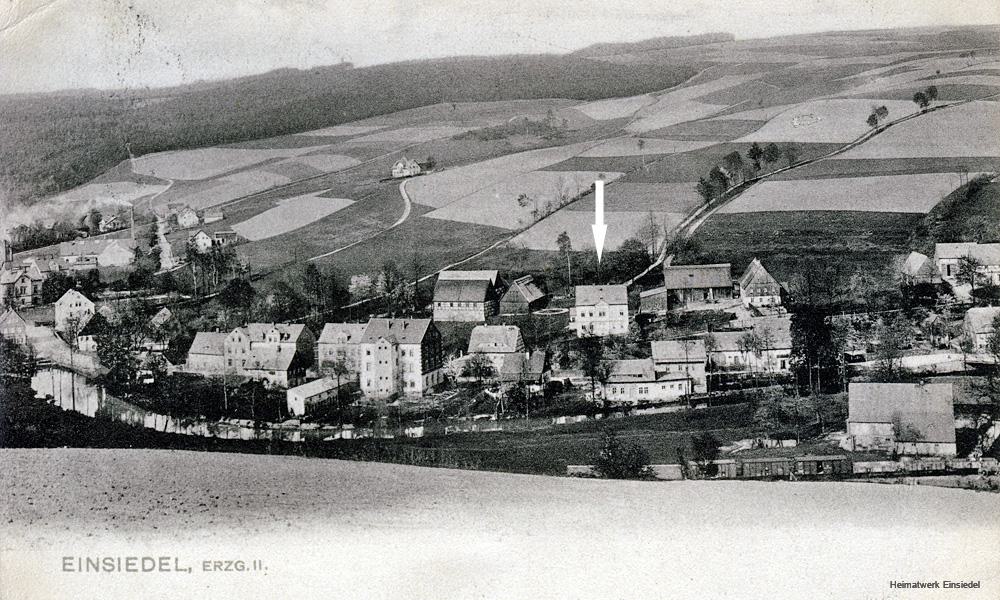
400, 357
728, 350
685, 358
522, 297
905, 418
635, 381
600, 310
758, 288
692, 284
948, 257
531, 369
405, 167
340, 341
187, 217
496, 342
918, 268
301, 398
21, 285
73, 310
101, 252
200, 241
13, 327
978, 326
468, 296
278, 354
110, 223
161, 318
207, 354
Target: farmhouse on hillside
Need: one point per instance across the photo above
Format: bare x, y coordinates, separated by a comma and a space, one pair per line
978, 326
600, 310
758, 288
496, 342
635, 381
187, 217
524, 367
905, 418
405, 167
685, 358
918, 268
73, 309
201, 242
225, 237
689, 284
468, 296
987, 256
522, 297
400, 357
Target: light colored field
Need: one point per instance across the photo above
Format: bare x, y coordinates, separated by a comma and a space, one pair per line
289, 215
414, 134
629, 146
117, 192
615, 108
327, 162
889, 193
967, 130
497, 204
875, 83
203, 163
837, 120
756, 114
672, 114
661, 197
622, 225
343, 130
958, 79
234, 186
320, 524
443, 188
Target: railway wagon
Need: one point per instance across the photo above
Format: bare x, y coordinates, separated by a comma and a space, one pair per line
823, 465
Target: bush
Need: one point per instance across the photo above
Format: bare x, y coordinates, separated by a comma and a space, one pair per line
618, 460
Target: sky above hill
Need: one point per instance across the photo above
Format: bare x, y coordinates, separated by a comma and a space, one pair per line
50, 45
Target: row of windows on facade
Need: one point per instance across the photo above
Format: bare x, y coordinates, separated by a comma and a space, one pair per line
600, 313
644, 389
459, 304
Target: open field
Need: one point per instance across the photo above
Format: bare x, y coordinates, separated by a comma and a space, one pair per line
289, 215
967, 130
497, 204
838, 120
331, 520
343, 131
217, 191
624, 197
825, 169
442, 188
715, 129
204, 163
629, 146
577, 224
413, 134
663, 114
888, 193
616, 108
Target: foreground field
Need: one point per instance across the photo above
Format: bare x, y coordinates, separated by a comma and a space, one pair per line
459, 534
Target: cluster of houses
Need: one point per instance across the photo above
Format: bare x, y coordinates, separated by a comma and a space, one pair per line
188, 217
22, 281
946, 264
202, 242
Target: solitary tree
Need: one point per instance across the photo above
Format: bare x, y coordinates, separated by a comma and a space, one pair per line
618, 460
791, 155
921, 100
755, 154
872, 120
892, 336
734, 164
706, 190
968, 271
882, 112
932, 93
719, 181
705, 448
479, 366
772, 153
642, 145
566, 249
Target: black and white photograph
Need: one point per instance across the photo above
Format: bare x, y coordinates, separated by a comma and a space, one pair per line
500, 299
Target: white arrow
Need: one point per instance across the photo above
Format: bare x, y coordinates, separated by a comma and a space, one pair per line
600, 229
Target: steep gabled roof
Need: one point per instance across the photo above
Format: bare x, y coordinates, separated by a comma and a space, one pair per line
756, 274
315, 387
211, 343
688, 277
633, 370
525, 289
917, 265
94, 246
94, 325
400, 331
491, 276
352, 333
924, 409
257, 332
980, 319
679, 351
73, 295
590, 295
451, 290
9, 319
494, 338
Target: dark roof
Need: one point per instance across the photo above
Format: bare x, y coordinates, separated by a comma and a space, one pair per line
209, 343
688, 277
525, 288
400, 331
94, 325
756, 273
925, 408
451, 290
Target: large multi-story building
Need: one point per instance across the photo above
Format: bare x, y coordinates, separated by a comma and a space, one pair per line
600, 310
905, 418
272, 352
98, 252
340, 341
636, 381
400, 357
681, 359
758, 287
496, 342
72, 311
